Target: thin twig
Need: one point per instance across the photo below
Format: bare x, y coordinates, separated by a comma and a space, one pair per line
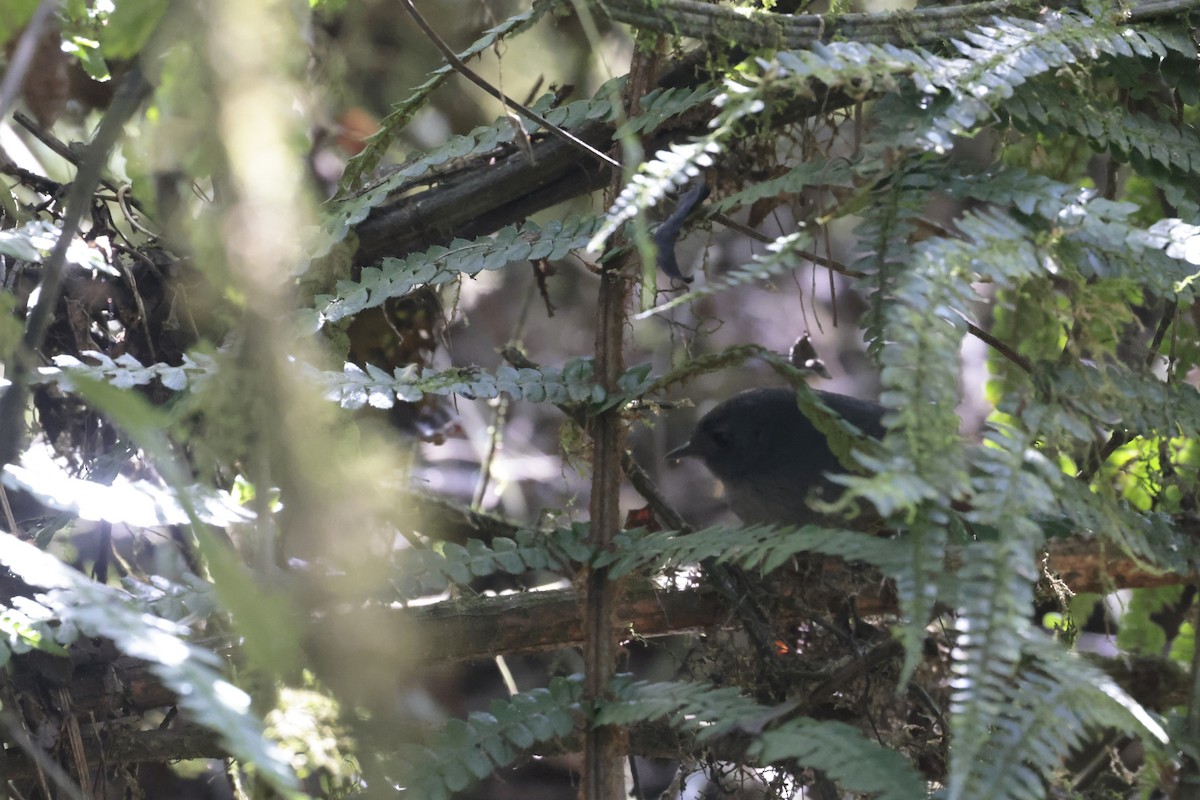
126, 204
1160, 333
1000, 347
831, 264
473, 77
75, 740
141, 307
9, 519
495, 431
69, 155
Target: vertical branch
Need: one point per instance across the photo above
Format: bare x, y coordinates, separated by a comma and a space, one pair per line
605, 746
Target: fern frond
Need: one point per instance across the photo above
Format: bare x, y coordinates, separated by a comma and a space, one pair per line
125, 371
397, 277
34, 241
919, 304
1003, 56
995, 597
888, 222
697, 707
669, 169
466, 751
657, 107
427, 571
1093, 236
1054, 704
661, 104
763, 548
1130, 137
356, 387
835, 748
994, 594
1142, 404
845, 755
344, 213
140, 503
923, 330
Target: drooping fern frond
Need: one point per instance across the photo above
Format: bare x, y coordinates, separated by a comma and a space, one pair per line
1129, 136
923, 333
884, 232
85, 607
991, 628
1092, 235
1045, 711
993, 593
428, 571
842, 752
917, 302
139, 503
469, 750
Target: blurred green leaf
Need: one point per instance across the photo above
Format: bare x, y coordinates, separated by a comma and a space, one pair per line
130, 26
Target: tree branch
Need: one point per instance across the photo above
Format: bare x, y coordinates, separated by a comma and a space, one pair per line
505, 189
764, 29
480, 627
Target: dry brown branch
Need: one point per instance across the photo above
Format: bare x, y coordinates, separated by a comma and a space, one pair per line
460, 630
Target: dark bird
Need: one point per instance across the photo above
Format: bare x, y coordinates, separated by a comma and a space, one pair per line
770, 457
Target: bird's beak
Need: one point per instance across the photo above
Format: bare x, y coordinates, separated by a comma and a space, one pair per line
681, 452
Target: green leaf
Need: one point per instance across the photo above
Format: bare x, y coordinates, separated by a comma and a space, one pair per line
130, 26
13, 16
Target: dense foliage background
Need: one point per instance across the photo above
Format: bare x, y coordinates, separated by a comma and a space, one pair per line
332, 333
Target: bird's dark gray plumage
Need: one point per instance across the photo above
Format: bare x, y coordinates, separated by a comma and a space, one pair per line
770, 457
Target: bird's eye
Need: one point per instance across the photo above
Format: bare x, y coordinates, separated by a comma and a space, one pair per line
720, 436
